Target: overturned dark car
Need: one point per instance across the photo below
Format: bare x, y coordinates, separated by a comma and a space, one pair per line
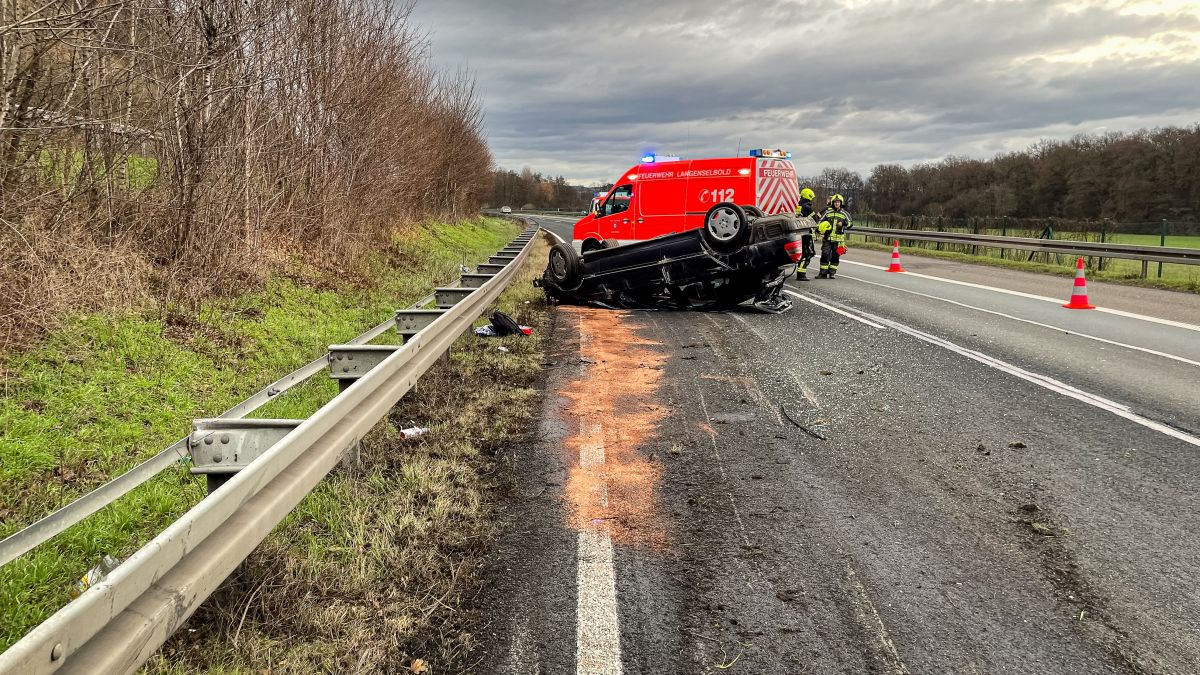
737, 255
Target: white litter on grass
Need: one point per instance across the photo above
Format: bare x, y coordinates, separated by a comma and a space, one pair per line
414, 432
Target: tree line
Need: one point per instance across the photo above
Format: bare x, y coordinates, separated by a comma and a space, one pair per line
1126, 177
530, 189
176, 149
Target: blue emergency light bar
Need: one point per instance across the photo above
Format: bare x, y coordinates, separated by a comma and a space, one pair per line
763, 152
650, 159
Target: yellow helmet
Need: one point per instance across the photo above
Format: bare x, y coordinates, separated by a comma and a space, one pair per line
807, 194
837, 198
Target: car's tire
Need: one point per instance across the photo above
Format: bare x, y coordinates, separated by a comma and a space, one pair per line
752, 211
590, 245
565, 267
726, 228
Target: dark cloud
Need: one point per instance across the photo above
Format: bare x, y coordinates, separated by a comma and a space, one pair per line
582, 89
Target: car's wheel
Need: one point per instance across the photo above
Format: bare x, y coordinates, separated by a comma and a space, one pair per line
752, 211
726, 228
565, 267
590, 245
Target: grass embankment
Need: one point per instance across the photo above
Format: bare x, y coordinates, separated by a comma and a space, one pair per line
1175, 277
376, 569
108, 390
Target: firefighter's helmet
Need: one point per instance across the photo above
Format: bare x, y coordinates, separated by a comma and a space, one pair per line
837, 198
807, 195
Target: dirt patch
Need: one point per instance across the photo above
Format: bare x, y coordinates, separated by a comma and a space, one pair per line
1087, 606
615, 410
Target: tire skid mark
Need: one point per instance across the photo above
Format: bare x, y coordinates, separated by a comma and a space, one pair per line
869, 618
716, 450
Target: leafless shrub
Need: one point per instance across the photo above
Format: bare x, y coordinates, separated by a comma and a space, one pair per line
186, 137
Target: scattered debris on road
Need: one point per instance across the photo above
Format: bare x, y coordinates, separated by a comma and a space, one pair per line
800, 426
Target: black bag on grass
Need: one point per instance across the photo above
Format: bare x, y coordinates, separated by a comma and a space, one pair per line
503, 324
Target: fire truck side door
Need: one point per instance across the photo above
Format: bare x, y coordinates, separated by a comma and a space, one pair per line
615, 219
662, 192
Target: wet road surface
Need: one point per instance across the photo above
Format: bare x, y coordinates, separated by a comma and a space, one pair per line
901, 474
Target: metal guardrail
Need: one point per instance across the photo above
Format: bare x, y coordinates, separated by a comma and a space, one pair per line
49, 526
120, 622
1185, 256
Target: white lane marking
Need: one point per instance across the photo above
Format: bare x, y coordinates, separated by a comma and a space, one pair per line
1030, 321
1031, 296
809, 298
1118, 409
881, 631
597, 634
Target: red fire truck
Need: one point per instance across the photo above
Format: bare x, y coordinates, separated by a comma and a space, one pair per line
699, 234
664, 197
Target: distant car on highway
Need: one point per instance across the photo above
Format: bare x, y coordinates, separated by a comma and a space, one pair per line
505, 209
657, 198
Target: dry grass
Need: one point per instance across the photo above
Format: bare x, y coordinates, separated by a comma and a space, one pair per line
377, 567
45, 276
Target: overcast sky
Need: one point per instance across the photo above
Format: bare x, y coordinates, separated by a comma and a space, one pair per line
581, 89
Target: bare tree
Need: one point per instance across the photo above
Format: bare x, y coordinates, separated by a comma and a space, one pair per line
177, 142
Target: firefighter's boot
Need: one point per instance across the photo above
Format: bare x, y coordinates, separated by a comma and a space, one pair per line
802, 277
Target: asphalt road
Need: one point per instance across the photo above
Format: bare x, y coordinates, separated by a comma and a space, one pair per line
902, 474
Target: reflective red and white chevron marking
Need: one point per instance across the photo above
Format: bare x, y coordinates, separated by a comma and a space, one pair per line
777, 189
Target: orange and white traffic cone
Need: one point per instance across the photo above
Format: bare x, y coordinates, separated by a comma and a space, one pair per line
1079, 296
895, 267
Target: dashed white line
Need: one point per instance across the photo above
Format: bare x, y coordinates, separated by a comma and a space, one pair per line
597, 633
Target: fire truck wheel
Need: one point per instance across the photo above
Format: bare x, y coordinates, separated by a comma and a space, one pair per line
565, 268
752, 211
590, 245
726, 228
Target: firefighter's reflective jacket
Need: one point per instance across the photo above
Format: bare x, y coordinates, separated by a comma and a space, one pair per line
807, 212
834, 224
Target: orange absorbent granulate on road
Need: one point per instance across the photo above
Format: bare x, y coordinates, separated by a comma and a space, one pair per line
612, 411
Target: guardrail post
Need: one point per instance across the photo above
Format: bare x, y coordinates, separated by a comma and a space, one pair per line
1103, 233
221, 447
409, 322
1003, 232
474, 280
939, 229
1162, 241
447, 297
348, 363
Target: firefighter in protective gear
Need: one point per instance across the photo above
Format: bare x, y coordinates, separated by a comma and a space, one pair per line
832, 230
808, 216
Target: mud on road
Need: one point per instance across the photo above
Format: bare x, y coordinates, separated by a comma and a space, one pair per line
734, 492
